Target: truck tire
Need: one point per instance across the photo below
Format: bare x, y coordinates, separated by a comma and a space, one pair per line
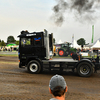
34, 67
61, 52
84, 69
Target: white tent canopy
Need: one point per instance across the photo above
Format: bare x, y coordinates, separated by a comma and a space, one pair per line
75, 45
60, 42
96, 45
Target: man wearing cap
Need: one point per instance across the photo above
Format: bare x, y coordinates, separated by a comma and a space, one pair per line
58, 87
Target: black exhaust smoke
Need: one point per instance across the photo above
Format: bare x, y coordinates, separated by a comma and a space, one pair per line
59, 11
82, 5
83, 9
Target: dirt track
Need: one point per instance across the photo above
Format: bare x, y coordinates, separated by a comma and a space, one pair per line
18, 84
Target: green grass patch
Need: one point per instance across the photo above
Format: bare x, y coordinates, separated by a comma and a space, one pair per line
9, 55
61, 57
6, 62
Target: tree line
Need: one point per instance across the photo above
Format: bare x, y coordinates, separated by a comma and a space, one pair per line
10, 39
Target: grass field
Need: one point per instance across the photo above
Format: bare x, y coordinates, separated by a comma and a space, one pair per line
12, 54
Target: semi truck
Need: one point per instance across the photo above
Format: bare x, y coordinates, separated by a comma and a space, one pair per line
36, 54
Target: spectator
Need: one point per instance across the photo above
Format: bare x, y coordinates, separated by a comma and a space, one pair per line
57, 87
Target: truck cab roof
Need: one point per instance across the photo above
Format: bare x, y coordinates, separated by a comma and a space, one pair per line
27, 34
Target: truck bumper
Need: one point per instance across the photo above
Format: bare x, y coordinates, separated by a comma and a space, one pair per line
20, 65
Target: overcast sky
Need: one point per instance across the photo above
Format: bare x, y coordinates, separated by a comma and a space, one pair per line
37, 15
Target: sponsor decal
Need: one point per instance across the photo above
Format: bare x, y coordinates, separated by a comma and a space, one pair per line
37, 39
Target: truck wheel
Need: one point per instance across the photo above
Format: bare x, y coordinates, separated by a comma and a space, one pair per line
61, 52
84, 69
34, 67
